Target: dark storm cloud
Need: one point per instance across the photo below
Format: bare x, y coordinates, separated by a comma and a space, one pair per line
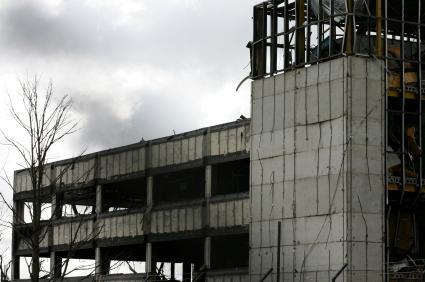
178, 38
164, 33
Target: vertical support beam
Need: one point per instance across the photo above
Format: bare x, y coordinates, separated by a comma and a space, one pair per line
149, 266
208, 181
187, 271
56, 199
208, 186
55, 265
103, 262
264, 40
207, 240
173, 270
207, 252
273, 51
308, 32
286, 47
18, 217
320, 31
56, 206
149, 192
300, 32
18, 212
349, 31
98, 262
99, 199
378, 23
258, 61
15, 268
332, 29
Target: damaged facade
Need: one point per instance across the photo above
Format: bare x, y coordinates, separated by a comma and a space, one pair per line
324, 183
179, 199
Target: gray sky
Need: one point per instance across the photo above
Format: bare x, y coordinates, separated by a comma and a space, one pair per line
135, 68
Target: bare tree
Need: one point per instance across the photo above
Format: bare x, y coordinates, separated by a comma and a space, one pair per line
44, 122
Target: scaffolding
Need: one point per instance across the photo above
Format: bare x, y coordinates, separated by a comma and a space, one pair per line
290, 34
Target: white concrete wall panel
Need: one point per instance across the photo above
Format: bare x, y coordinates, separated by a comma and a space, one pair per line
176, 220
316, 166
229, 213
73, 232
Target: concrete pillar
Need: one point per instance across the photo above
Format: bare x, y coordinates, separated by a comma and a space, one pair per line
98, 261
56, 206
18, 217
173, 270
149, 267
15, 268
149, 192
55, 265
208, 180
187, 271
102, 263
207, 252
207, 240
18, 211
99, 200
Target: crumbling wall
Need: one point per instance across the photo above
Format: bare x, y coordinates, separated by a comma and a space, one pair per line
316, 167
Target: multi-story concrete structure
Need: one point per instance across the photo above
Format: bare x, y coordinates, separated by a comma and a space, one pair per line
180, 199
331, 158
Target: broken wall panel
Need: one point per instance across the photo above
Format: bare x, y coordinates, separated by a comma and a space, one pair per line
229, 213
23, 180
122, 163
73, 173
218, 140
72, 232
176, 220
229, 140
121, 226
177, 151
145, 202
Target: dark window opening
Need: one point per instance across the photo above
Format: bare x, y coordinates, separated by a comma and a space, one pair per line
231, 177
76, 202
179, 186
123, 195
230, 251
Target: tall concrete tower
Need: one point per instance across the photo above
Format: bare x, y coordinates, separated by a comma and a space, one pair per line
336, 121
317, 168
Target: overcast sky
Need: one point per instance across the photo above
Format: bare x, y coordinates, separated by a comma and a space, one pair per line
134, 69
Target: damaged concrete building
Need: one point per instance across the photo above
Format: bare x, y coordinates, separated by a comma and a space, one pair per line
323, 183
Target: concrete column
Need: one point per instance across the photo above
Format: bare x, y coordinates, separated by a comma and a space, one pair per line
15, 268
55, 265
173, 270
18, 217
56, 206
207, 252
149, 266
99, 200
208, 180
149, 192
18, 212
187, 271
99, 262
